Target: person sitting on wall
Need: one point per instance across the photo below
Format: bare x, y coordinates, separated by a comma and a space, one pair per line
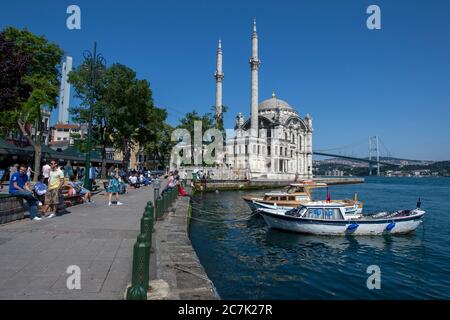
40, 188
181, 191
134, 182
19, 186
80, 190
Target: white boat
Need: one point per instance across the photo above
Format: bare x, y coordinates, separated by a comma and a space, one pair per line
296, 195
349, 208
331, 218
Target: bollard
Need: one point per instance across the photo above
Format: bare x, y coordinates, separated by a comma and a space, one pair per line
175, 193
151, 213
170, 196
165, 201
147, 228
140, 276
156, 188
162, 202
159, 209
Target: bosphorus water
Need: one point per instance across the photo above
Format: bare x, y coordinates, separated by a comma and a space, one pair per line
247, 260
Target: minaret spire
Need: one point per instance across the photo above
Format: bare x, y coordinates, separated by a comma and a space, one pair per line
254, 65
219, 76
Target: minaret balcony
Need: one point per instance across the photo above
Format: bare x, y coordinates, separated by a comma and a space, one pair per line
219, 76
254, 62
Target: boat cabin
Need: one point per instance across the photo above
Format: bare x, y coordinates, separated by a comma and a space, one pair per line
325, 211
295, 192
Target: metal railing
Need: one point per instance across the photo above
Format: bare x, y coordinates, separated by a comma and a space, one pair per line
143, 247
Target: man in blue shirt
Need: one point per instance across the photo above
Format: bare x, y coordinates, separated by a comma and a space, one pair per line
92, 176
19, 186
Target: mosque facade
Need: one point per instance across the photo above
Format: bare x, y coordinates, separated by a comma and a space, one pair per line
275, 142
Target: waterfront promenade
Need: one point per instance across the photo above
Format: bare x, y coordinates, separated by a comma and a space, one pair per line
34, 255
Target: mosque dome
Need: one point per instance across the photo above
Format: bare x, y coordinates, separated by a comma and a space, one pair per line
274, 103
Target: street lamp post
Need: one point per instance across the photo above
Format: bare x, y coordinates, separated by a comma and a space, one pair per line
94, 60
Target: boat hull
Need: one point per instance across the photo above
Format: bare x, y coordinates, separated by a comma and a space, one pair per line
255, 205
364, 227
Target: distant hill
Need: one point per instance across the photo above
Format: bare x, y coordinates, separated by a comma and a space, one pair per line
394, 161
402, 166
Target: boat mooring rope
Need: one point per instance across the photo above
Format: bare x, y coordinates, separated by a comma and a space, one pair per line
216, 212
225, 221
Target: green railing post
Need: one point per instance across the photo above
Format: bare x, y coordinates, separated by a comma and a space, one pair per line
140, 275
151, 212
175, 192
159, 209
170, 196
165, 200
147, 227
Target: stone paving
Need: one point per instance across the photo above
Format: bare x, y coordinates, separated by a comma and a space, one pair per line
34, 255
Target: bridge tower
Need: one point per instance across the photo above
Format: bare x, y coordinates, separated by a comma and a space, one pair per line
374, 152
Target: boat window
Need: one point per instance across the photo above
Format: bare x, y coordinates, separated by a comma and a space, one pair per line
282, 198
302, 211
324, 214
291, 198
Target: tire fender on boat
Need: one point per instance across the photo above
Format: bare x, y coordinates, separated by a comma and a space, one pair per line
390, 226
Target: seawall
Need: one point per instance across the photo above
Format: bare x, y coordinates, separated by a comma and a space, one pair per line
232, 185
178, 273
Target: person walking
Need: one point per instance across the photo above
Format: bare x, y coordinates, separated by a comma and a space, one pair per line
13, 169
68, 170
113, 186
92, 175
29, 172
19, 186
46, 172
55, 183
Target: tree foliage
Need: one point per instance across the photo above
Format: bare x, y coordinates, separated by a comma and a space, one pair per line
14, 65
35, 84
188, 121
40, 74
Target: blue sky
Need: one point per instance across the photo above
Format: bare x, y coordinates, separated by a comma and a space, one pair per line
318, 55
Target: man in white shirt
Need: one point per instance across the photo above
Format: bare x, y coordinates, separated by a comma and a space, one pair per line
46, 172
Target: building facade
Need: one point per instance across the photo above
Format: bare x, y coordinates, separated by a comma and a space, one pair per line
64, 135
64, 92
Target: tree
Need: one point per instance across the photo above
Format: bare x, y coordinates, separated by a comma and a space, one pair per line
14, 65
81, 80
130, 109
37, 86
187, 122
159, 146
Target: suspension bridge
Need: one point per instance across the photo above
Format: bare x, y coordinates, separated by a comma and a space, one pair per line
373, 158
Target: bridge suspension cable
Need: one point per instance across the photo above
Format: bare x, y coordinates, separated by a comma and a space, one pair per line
354, 144
388, 153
